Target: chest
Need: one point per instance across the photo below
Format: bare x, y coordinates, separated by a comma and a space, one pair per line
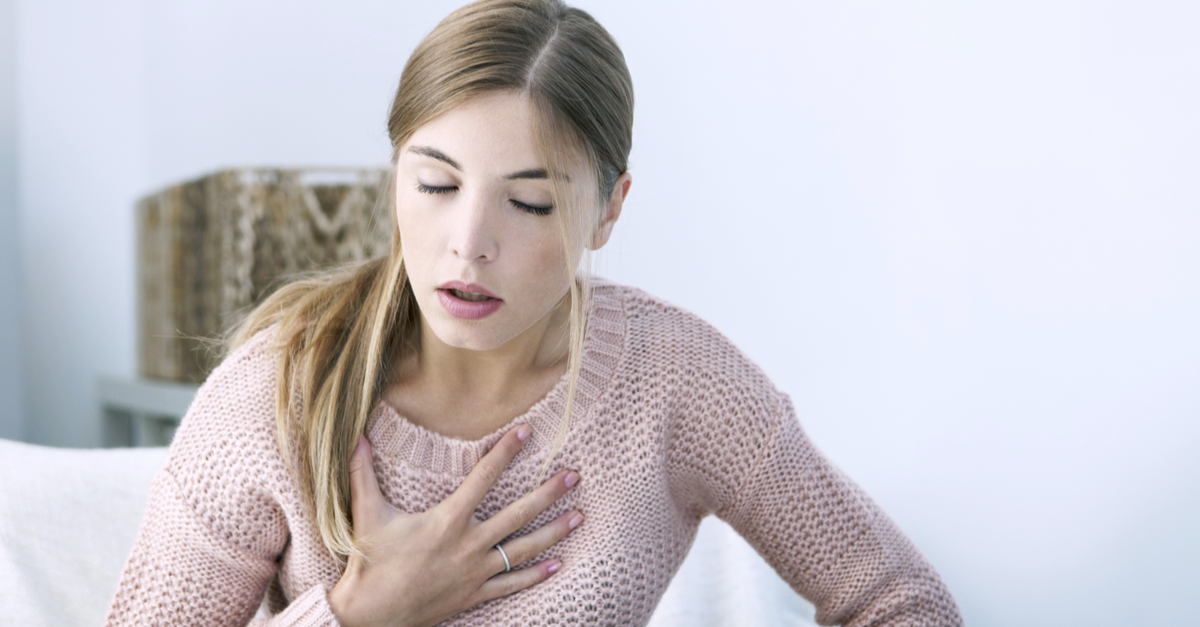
458, 411
616, 565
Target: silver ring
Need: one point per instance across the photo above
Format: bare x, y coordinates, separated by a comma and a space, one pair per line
507, 566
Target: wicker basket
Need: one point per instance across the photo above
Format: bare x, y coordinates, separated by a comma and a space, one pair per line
211, 249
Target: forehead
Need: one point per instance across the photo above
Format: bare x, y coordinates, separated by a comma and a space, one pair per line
489, 132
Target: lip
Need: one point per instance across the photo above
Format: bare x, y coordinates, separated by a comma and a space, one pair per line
465, 309
468, 287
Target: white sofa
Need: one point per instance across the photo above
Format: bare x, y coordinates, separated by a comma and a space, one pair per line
68, 518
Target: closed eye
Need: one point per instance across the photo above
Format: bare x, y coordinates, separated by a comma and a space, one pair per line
534, 209
433, 189
448, 189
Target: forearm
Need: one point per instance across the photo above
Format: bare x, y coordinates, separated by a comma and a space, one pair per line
181, 573
834, 545
310, 609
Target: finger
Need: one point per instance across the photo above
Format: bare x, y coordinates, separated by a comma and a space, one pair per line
523, 510
366, 500
508, 583
527, 547
485, 473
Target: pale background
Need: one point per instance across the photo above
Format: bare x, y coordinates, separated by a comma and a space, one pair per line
965, 239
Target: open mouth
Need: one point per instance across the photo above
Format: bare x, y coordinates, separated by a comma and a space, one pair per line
469, 296
468, 305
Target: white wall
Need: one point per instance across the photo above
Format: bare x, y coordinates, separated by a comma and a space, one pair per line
11, 409
82, 162
966, 239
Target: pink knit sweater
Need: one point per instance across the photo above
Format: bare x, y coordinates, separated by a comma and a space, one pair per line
672, 423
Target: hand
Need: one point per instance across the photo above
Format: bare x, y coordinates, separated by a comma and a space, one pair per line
420, 569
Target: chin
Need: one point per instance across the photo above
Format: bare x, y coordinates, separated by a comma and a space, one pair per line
452, 333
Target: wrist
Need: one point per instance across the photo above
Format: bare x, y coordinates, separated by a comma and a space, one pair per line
339, 598
348, 606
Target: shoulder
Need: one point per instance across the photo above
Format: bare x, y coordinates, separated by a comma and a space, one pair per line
237, 400
719, 408
224, 458
667, 337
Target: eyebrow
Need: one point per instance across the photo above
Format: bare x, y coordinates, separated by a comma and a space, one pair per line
536, 173
434, 153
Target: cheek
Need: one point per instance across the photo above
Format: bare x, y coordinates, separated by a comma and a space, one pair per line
416, 235
546, 264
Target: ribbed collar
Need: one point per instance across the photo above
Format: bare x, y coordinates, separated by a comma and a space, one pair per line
395, 437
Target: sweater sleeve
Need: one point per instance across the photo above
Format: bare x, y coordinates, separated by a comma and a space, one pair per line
828, 540
181, 572
214, 529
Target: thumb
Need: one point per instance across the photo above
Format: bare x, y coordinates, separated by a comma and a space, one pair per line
366, 500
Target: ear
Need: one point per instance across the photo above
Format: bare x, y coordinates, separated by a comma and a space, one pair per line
612, 211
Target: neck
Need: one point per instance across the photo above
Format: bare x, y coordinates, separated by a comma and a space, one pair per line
491, 377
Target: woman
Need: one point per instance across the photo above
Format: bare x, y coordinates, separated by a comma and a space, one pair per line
375, 449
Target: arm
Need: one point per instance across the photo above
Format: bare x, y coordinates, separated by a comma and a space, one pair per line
826, 537
734, 448
182, 572
214, 526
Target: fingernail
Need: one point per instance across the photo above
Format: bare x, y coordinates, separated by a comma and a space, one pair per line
572, 479
362, 441
575, 520
553, 567
523, 432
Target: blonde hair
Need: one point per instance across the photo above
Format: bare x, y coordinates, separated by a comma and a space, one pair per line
337, 332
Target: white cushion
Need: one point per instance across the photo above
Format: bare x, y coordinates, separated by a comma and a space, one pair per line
68, 518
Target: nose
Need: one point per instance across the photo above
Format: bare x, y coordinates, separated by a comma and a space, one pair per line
473, 234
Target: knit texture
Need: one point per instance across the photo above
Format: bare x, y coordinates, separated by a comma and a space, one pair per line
671, 423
